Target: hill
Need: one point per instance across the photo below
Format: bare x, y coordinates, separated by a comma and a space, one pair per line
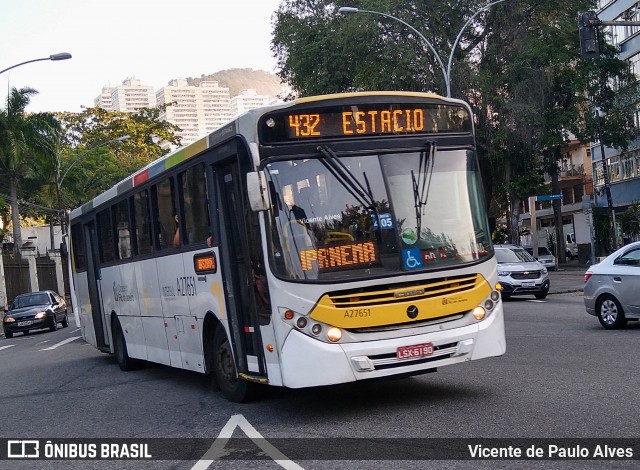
236, 80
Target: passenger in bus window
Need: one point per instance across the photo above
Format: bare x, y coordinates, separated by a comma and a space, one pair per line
209, 240
176, 236
260, 285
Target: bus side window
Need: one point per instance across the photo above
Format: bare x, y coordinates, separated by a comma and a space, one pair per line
163, 194
193, 194
142, 222
105, 237
77, 245
123, 232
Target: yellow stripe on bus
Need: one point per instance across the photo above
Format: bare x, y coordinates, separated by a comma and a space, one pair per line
396, 312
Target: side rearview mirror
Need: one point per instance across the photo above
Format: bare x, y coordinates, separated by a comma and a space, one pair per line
257, 191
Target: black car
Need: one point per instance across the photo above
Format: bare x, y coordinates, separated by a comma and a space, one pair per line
34, 311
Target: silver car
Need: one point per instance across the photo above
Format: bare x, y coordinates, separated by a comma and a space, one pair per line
612, 287
519, 273
545, 257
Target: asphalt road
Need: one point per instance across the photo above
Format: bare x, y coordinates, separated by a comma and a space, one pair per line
562, 377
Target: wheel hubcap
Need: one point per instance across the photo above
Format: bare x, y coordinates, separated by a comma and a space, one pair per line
609, 312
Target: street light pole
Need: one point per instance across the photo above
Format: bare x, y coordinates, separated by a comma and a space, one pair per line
348, 10
445, 72
60, 179
60, 56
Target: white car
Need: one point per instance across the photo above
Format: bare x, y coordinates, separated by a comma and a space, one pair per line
519, 273
612, 287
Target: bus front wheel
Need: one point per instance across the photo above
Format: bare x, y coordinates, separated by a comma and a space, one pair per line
120, 349
232, 387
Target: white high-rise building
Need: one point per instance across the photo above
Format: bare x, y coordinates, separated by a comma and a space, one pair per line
132, 95
103, 100
216, 105
196, 110
246, 100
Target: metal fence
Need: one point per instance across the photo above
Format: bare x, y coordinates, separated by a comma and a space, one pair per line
16, 276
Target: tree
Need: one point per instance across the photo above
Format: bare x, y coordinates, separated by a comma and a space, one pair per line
97, 167
518, 65
23, 139
630, 220
319, 51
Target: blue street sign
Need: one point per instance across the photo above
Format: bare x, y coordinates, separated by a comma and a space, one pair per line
549, 197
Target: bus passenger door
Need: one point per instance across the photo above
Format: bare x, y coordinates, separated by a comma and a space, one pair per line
237, 269
93, 278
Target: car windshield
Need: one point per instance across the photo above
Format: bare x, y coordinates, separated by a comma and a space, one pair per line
335, 217
542, 251
30, 300
513, 255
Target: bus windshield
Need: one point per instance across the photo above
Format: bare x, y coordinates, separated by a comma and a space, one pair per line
357, 217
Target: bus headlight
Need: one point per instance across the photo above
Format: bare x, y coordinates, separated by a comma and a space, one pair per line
309, 327
334, 334
479, 313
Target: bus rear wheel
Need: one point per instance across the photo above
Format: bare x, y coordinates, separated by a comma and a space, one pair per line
232, 387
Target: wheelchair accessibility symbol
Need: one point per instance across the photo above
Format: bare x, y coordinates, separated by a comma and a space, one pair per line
412, 258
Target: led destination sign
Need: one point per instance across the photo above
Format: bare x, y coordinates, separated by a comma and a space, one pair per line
341, 256
364, 120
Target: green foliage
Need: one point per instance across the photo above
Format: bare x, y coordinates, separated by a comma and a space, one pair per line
97, 160
630, 220
518, 64
25, 140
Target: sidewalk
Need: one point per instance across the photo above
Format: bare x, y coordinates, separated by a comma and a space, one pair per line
568, 278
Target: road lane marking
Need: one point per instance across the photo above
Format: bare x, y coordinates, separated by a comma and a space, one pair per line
72, 332
6, 347
238, 421
68, 340
42, 342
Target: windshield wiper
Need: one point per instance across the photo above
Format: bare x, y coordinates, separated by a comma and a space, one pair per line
422, 184
339, 170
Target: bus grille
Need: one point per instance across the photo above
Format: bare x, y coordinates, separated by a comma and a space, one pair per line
381, 295
389, 360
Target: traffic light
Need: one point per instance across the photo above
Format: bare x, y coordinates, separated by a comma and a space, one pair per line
589, 34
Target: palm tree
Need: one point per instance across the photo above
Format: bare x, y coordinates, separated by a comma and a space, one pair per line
23, 139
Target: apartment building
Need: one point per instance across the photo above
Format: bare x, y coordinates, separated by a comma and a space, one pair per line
575, 180
128, 97
623, 167
103, 100
246, 100
196, 109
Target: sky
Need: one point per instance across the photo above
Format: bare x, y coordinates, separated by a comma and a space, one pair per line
154, 41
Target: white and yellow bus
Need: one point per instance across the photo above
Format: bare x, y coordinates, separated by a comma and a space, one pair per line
321, 241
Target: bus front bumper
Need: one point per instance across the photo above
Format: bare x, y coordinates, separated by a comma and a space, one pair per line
307, 362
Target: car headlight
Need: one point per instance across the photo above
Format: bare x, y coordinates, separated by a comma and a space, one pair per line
544, 270
41, 315
503, 273
9, 319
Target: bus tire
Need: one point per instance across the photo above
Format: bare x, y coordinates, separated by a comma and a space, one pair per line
120, 349
225, 372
